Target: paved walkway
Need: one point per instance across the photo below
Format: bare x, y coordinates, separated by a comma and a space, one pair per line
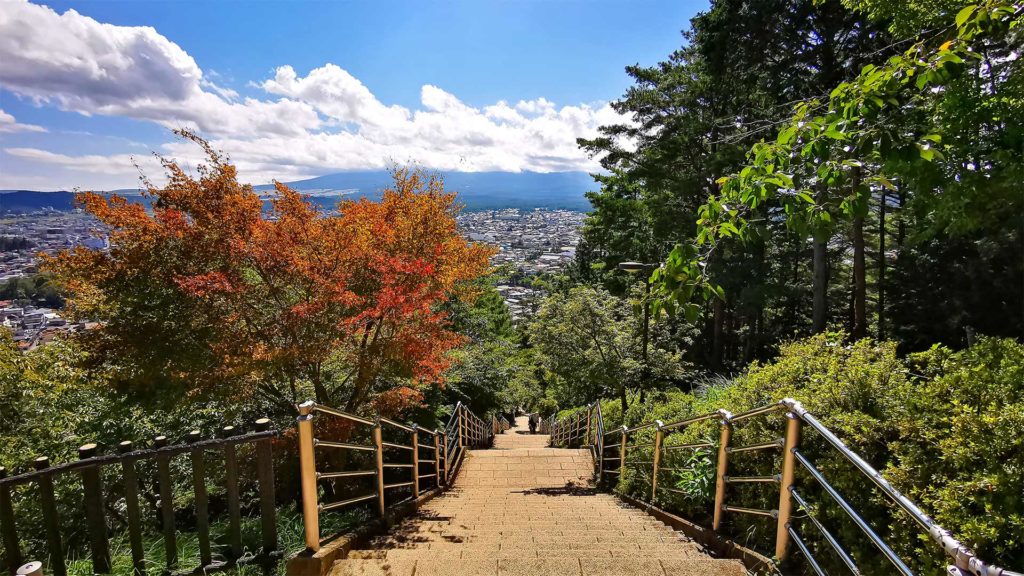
522, 509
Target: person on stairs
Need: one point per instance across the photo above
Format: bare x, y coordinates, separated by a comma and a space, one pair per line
533, 423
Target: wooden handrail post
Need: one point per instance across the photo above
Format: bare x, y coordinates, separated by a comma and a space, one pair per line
378, 444
231, 488
131, 505
659, 437
723, 468
590, 409
622, 453
786, 484
265, 478
201, 502
437, 461
307, 476
51, 519
163, 467
447, 463
462, 426
92, 490
415, 461
7, 527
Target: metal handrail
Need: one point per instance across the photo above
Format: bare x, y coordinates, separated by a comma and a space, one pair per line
565, 430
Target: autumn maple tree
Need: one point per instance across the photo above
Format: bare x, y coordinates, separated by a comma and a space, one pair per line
214, 291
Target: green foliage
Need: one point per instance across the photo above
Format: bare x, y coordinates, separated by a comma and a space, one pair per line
11, 243
950, 104
37, 289
944, 427
961, 444
493, 371
589, 344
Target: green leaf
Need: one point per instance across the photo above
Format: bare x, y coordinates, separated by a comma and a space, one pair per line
964, 15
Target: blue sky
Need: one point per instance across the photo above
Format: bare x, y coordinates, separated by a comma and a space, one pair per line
297, 89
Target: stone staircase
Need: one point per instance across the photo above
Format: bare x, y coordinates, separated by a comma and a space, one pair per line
523, 509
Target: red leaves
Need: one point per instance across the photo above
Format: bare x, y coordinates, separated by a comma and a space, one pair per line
280, 293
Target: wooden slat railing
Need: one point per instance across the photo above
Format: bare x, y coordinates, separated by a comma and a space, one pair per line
92, 467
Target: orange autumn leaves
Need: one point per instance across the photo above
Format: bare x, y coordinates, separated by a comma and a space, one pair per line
276, 298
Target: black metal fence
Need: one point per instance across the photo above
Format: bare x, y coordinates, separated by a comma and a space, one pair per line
130, 473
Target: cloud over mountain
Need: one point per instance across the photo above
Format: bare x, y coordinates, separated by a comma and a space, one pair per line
298, 126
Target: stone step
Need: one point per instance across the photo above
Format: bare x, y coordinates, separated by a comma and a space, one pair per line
524, 509
536, 566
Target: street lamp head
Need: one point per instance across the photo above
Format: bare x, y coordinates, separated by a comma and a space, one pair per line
632, 267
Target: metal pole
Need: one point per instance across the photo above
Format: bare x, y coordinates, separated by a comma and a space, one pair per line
307, 476
723, 468
785, 496
659, 437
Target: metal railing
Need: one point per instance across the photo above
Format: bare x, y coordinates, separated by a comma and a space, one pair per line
500, 424
570, 431
94, 468
433, 458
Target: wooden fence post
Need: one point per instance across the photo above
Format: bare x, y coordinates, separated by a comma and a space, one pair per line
622, 453
51, 519
231, 487
659, 437
131, 505
415, 461
197, 456
92, 489
307, 477
723, 468
437, 462
265, 477
166, 504
8, 529
378, 444
786, 483
447, 462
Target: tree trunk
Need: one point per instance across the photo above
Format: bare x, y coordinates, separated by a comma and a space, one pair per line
881, 267
820, 284
860, 316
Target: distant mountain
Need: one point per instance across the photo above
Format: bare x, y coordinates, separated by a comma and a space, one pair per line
22, 201
477, 190
30, 201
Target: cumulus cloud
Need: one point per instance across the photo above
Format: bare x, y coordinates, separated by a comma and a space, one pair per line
324, 121
9, 124
89, 67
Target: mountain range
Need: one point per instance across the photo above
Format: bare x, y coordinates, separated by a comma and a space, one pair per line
477, 190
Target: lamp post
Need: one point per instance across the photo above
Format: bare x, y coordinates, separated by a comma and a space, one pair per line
634, 268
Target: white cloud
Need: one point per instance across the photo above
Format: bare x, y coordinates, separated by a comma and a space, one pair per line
89, 67
118, 164
325, 121
9, 124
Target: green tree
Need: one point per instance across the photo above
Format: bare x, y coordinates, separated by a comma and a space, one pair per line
589, 342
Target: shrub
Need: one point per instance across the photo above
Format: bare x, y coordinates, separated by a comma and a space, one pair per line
946, 428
